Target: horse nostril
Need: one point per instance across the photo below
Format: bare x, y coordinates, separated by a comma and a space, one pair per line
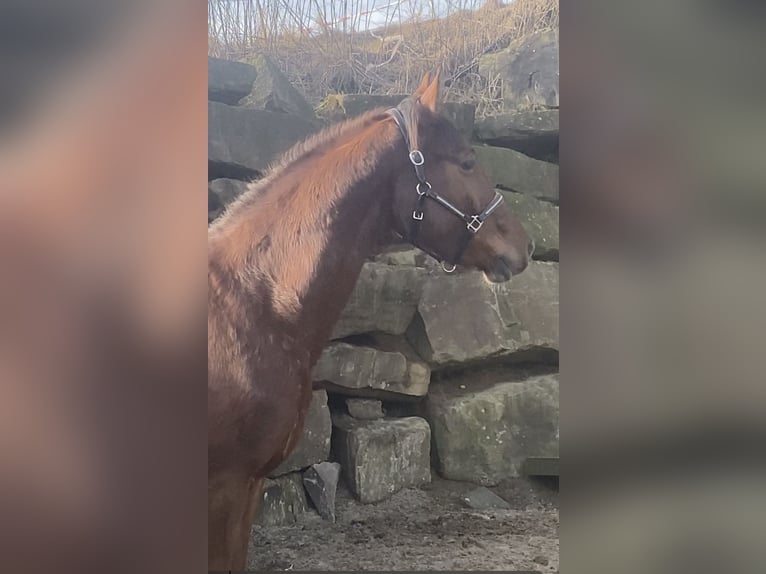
531, 247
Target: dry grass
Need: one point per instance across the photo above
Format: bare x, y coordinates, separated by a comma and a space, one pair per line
377, 46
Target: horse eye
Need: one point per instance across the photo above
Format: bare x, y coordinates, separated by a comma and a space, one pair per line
467, 165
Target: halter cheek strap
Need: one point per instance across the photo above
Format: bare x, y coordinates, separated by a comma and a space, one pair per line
424, 191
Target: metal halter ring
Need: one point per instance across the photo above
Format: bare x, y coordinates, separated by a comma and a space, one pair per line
448, 267
475, 224
416, 157
417, 188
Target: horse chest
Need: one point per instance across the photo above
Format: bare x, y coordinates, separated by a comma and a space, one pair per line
279, 360
281, 395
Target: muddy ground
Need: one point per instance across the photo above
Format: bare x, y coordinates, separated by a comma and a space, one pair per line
421, 529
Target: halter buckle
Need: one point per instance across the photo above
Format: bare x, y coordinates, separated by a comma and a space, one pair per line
448, 267
417, 215
475, 224
416, 157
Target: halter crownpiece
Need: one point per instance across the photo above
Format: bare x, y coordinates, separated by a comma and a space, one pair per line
424, 191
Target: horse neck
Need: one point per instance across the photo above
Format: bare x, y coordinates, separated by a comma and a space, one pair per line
301, 246
359, 228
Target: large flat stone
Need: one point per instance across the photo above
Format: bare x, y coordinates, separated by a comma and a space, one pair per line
485, 435
533, 133
284, 501
364, 371
458, 321
314, 444
379, 458
384, 300
529, 68
272, 91
465, 320
338, 107
250, 139
529, 306
461, 115
515, 171
365, 409
541, 221
228, 81
405, 254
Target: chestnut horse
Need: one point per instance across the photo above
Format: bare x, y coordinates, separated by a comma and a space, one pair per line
284, 258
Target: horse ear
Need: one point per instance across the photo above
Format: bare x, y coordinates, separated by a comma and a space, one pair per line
423, 84
430, 98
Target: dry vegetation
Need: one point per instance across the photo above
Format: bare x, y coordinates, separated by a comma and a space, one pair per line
377, 46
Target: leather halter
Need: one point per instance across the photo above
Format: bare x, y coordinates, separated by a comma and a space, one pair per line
424, 191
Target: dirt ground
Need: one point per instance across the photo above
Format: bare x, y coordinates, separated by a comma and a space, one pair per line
421, 529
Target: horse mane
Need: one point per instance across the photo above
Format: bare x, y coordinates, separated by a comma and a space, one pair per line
298, 152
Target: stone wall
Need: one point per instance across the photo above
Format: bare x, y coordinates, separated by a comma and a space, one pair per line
426, 372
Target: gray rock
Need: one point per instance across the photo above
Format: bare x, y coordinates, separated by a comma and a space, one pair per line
483, 498
529, 69
529, 306
365, 409
542, 466
410, 256
272, 91
321, 483
464, 319
226, 190
541, 221
338, 107
284, 501
350, 369
485, 435
533, 133
228, 81
384, 300
214, 206
314, 444
461, 115
458, 321
379, 458
515, 171
248, 139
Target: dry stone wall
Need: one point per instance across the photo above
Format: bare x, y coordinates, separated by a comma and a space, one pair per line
425, 372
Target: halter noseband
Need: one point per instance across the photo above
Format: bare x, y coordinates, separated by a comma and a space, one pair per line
472, 222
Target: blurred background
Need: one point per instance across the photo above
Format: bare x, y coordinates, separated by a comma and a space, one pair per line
102, 191
663, 312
